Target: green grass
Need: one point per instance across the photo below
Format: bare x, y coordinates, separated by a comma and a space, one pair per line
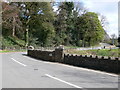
4, 51
102, 52
74, 47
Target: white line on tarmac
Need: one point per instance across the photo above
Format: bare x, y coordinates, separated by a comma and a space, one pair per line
63, 81
18, 62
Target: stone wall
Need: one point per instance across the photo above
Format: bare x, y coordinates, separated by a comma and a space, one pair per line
43, 55
55, 56
93, 62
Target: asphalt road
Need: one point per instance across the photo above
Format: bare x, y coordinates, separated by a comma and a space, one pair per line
21, 71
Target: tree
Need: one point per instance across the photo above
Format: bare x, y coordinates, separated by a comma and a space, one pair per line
103, 21
89, 28
113, 36
39, 17
118, 39
69, 6
77, 12
72, 24
79, 8
60, 24
64, 23
11, 20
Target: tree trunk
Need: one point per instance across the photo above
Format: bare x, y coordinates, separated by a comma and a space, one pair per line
13, 30
26, 36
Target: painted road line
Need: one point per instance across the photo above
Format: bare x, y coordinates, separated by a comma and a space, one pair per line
18, 62
62, 81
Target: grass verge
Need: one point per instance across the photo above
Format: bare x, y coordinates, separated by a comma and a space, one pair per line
102, 52
4, 51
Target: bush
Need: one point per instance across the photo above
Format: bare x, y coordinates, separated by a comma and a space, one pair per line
79, 43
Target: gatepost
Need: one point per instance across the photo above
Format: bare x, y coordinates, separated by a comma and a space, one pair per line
59, 54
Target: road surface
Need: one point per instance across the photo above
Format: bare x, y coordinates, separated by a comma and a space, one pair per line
21, 71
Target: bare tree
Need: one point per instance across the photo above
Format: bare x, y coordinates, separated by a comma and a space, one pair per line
103, 20
79, 8
113, 36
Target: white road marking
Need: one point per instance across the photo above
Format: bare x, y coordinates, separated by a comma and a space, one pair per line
63, 81
75, 67
18, 62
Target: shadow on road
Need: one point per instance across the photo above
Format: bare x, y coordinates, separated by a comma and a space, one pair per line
24, 54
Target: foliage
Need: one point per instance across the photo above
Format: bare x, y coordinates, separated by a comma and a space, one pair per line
11, 21
11, 43
89, 28
40, 21
35, 23
60, 25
